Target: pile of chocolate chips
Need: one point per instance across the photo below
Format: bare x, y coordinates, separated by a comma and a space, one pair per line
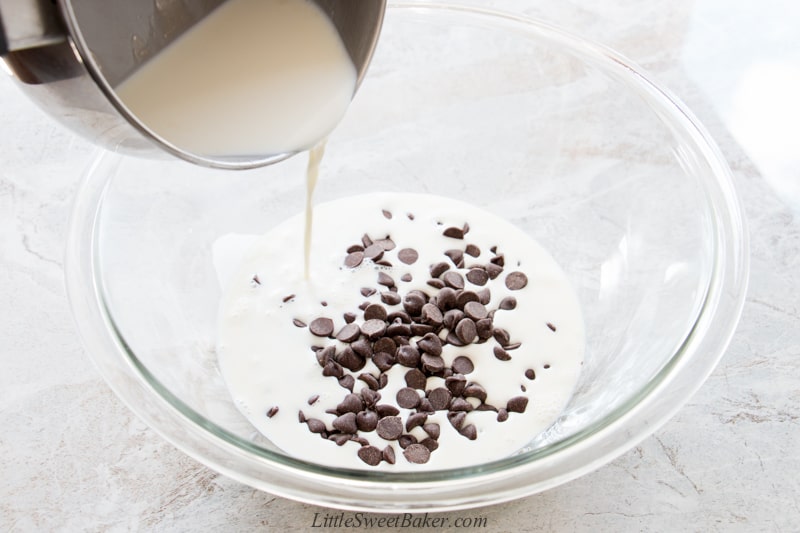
410, 330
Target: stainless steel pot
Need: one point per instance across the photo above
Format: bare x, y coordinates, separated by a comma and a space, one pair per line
69, 55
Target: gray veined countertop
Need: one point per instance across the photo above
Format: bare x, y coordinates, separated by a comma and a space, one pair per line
72, 457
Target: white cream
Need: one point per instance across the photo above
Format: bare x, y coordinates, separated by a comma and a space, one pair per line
253, 78
267, 361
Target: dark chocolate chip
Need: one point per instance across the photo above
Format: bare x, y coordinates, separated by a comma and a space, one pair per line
420, 330
484, 327
285, 298
383, 380
367, 421
425, 406
384, 410
472, 250
484, 296
321, 327
430, 344
390, 298
370, 380
332, 368
384, 344
493, 270
475, 310
530, 374
469, 431
415, 420
349, 317
413, 303
384, 361
373, 328
387, 214
390, 427
432, 429
430, 443
452, 317
464, 297
508, 303
366, 241
398, 329
501, 336
551, 326
462, 365
517, 404
299, 323
374, 251
325, 355
407, 356
406, 278
408, 256
473, 390
340, 438
466, 330
516, 281
362, 347
477, 276
316, 425
385, 279
431, 314
438, 269
355, 248
447, 298
453, 279
499, 260
272, 411
501, 354
387, 244
456, 384
345, 423
371, 455
456, 256
453, 232
370, 397
432, 363
456, 418
417, 454
439, 398
502, 414
313, 399
454, 339
407, 398
301, 417
406, 440
416, 379
349, 333
435, 283
375, 312
350, 404
512, 346
460, 404
348, 382
353, 259
366, 292
388, 455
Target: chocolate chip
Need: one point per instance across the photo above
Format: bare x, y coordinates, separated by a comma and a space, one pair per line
285, 298
362, 347
456, 418
439, 398
517, 404
384, 410
407, 398
361, 440
355, 248
316, 425
384, 361
493, 270
469, 431
370, 397
366, 292
499, 260
384, 344
301, 417
374, 251
349, 317
387, 214
425, 406
390, 298
388, 455
373, 328
313, 399
349, 333
486, 407
453, 232
430, 344
272, 411
390, 427
502, 415
460, 404
332, 368
370, 455
375, 312
435, 283
340, 438
398, 329
406, 440
473, 390
456, 384
415, 420
430, 443
347, 382
413, 303
432, 363
407, 356
432, 429
501, 354
452, 317
438, 269
370, 380
484, 327
406, 278
516, 281
345, 423
366, 241
350, 404
321, 327
385, 279
408, 256
478, 276
465, 297
508, 303
530, 374
420, 330
551, 326
416, 379
446, 298
501, 336
353, 259
325, 355
512, 346
299, 323
466, 330
387, 244
475, 311
383, 380
453, 279
472, 250
462, 365
430, 314
484, 296
417, 454
454, 339
456, 256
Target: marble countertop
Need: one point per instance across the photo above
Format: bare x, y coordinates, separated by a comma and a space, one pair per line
72, 457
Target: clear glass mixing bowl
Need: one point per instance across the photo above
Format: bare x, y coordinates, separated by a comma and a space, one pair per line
566, 139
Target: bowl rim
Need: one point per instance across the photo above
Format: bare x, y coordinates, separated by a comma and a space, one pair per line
494, 482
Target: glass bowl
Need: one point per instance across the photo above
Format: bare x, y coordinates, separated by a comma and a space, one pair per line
564, 138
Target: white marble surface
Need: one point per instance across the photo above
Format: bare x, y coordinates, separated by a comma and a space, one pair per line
72, 457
